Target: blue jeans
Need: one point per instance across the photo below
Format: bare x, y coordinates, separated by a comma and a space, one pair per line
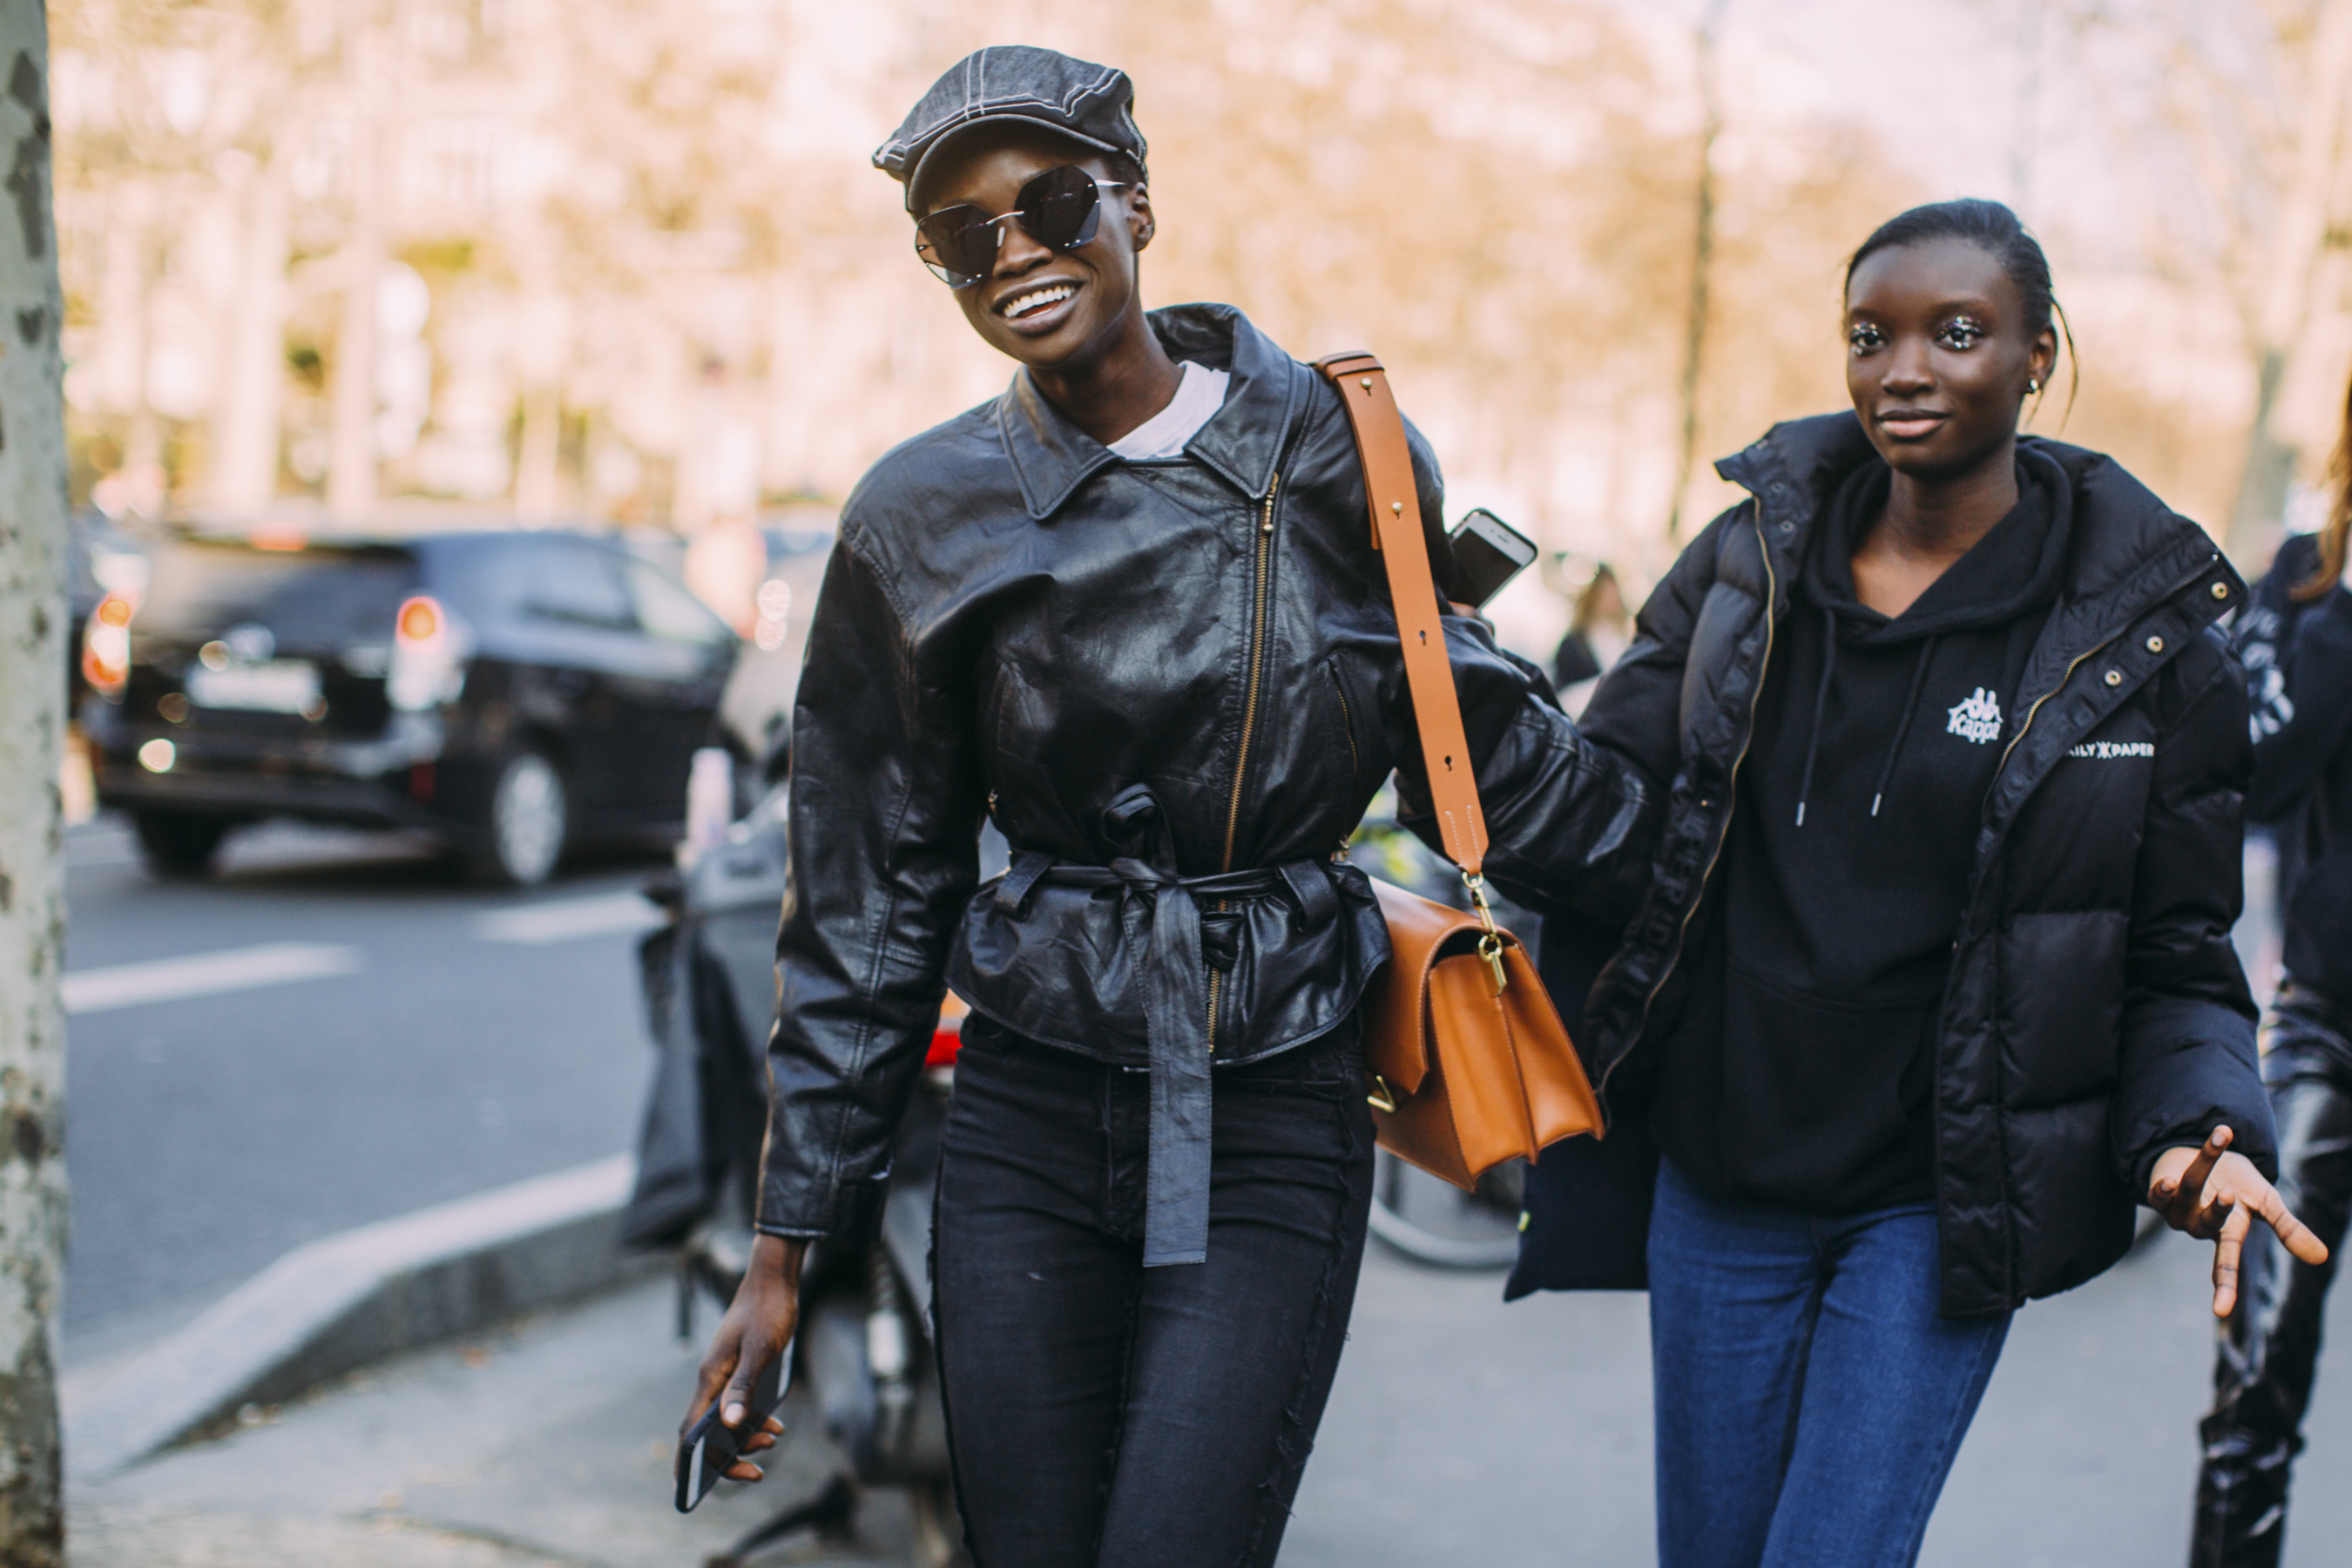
1810, 1400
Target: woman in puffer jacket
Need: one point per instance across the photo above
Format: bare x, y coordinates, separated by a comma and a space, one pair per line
2296, 642
1932, 980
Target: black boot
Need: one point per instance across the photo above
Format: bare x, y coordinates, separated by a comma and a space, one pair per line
2269, 1348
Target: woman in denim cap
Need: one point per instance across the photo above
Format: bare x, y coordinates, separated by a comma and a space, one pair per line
1128, 610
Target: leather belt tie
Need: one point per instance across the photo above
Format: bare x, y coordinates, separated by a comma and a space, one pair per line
1185, 944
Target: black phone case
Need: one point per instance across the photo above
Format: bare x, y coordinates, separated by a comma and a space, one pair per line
710, 1446
1480, 587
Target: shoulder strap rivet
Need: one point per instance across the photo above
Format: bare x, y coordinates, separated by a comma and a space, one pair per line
1365, 382
1397, 507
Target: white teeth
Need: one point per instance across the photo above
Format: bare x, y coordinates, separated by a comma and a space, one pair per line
1036, 299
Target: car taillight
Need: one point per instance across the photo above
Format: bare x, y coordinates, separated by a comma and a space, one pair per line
426, 665
106, 647
947, 1035
420, 620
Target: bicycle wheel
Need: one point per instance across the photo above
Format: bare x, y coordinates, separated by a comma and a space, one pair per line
1435, 1223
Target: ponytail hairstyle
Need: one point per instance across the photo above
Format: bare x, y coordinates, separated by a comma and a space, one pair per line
1998, 232
2333, 533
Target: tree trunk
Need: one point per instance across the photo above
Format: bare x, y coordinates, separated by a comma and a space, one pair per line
246, 460
32, 903
351, 438
1710, 90
2298, 235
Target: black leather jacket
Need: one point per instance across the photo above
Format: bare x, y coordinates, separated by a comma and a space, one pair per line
1175, 686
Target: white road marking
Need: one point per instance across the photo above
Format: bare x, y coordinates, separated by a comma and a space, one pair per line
100, 849
568, 920
204, 974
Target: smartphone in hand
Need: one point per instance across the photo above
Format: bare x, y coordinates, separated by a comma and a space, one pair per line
1488, 554
710, 1447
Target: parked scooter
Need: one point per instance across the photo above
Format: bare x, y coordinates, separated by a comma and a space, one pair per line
863, 1350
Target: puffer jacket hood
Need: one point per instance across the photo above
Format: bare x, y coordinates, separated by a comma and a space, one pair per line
2096, 1013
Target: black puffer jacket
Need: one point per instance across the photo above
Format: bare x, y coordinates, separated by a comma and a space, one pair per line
2096, 1013
1175, 686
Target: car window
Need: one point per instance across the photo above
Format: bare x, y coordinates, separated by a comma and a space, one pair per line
669, 612
314, 597
553, 581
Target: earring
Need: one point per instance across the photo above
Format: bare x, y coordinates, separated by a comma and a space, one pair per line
2032, 385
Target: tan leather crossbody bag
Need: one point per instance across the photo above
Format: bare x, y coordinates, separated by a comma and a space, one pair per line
1469, 1062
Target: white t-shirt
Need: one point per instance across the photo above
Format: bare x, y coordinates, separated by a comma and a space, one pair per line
1198, 398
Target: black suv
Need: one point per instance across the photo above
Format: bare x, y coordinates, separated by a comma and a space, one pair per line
513, 693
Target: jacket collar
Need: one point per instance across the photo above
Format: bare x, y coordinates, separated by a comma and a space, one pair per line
2129, 551
1051, 457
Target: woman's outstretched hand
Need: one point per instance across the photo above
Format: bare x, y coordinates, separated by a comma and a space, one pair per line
756, 1330
2216, 1196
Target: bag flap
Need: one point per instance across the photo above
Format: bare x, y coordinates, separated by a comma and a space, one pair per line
1422, 931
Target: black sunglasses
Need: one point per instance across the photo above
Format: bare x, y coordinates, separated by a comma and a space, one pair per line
1061, 209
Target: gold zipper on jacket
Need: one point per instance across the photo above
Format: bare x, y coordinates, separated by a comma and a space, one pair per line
1249, 717
2064, 676
1731, 787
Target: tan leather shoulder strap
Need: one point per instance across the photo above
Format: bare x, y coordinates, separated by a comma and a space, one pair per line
1395, 502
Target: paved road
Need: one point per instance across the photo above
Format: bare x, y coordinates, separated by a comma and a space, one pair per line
392, 1039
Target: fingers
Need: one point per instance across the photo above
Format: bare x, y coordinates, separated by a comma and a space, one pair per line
709, 1379
744, 1471
2226, 1249
2182, 1204
2293, 1234
737, 1401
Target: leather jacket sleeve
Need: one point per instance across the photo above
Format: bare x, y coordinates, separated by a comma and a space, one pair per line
884, 832
1574, 810
1570, 826
2188, 1062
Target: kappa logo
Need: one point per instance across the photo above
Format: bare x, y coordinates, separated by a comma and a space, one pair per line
1978, 720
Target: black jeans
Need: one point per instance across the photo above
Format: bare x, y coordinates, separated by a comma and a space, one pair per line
2270, 1345
1104, 1413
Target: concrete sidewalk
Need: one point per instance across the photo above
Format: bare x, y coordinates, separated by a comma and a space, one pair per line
546, 1442
1461, 1431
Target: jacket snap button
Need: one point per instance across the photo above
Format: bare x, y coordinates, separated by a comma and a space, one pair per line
2155, 644
1788, 528
2221, 590
2115, 678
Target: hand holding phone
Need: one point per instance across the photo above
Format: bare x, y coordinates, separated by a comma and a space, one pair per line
1488, 554
710, 1447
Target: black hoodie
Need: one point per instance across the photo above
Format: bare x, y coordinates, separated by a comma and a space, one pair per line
1799, 1074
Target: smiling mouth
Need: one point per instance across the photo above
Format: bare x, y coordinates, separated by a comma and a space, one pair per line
1027, 303
1904, 422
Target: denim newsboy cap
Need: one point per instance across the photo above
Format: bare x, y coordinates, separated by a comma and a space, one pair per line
1087, 103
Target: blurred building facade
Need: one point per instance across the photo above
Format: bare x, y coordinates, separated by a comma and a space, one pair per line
597, 259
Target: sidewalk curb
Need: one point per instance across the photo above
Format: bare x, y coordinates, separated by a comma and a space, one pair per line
345, 1301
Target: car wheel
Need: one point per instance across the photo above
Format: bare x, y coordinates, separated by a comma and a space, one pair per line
176, 845
530, 816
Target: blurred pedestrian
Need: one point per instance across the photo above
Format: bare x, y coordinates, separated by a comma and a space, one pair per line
1130, 611
1600, 630
2296, 640
1933, 978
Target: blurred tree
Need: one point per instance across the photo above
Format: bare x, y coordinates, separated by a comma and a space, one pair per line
32, 721
2235, 117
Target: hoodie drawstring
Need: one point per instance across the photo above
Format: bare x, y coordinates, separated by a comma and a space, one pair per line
1820, 708
1820, 705
1910, 705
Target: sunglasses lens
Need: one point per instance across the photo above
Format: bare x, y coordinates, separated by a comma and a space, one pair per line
1061, 208
958, 243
